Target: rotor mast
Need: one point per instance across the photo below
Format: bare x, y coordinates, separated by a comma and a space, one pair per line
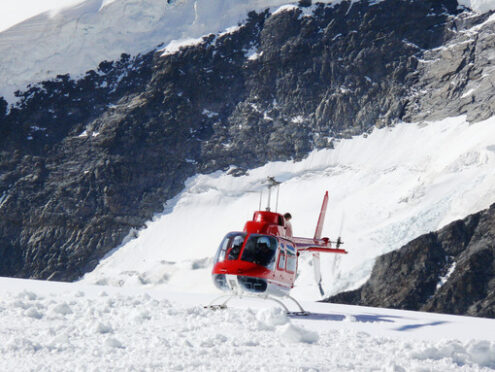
272, 182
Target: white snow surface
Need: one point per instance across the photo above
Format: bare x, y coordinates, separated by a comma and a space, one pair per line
47, 326
391, 186
16, 11
75, 39
480, 6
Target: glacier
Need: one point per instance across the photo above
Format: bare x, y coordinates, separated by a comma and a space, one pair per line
75, 39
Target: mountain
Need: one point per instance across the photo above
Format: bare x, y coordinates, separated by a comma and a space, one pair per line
86, 160
123, 164
448, 271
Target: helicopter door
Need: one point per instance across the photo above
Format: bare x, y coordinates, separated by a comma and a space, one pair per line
281, 258
291, 263
280, 272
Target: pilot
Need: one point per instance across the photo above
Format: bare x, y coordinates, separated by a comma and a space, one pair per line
236, 248
265, 253
288, 225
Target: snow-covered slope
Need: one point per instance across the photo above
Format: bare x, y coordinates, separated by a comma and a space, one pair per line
480, 6
48, 326
391, 186
76, 39
16, 11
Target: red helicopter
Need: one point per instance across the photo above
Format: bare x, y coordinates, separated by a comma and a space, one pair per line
262, 260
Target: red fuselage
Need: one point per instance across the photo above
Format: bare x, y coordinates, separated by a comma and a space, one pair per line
262, 258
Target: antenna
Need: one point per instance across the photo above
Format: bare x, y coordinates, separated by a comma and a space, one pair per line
339, 239
272, 183
276, 204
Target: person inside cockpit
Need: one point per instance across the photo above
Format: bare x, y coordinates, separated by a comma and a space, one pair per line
236, 247
265, 253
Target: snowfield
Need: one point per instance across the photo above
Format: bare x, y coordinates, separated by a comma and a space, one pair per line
385, 188
76, 38
46, 326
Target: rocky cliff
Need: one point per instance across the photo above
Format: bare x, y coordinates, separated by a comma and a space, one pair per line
85, 161
448, 271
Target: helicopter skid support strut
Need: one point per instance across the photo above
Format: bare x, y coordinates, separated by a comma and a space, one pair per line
223, 305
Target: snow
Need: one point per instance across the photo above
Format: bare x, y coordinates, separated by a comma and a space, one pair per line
480, 6
444, 279
252, 53
468, 93
285, 8
15, 11
74, 39
49, 326
209, 114
3, 198
175, 45
391, 186
299, 119
147, 311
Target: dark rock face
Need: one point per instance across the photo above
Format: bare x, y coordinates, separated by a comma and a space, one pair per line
82, 162
449, 271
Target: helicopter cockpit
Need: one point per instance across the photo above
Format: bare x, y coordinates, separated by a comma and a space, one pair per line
258, 249
230, 247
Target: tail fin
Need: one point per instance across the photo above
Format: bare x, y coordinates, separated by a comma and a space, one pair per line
316, 256
321, 219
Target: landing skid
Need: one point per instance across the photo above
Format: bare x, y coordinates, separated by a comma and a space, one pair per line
223, 305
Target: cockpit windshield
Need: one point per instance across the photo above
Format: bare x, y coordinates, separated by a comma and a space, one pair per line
230, 247
261, 250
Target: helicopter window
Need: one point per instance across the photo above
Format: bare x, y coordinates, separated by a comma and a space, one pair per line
281, 259
260, 249
291, 259
230, 247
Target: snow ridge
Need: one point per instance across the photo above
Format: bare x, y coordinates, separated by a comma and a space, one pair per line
76, 39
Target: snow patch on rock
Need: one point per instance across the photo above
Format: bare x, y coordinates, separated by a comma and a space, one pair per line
480, 6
